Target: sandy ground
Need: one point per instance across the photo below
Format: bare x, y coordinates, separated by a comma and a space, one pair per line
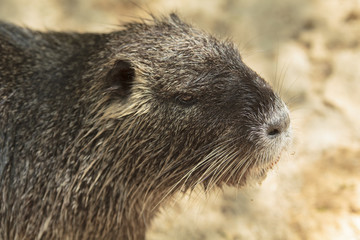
310, 51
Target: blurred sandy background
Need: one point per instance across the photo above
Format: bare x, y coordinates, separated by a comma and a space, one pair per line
310, 51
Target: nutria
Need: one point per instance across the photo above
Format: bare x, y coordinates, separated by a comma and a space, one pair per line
98, 130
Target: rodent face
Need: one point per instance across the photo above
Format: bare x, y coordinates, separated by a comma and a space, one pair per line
242, 119
214, 118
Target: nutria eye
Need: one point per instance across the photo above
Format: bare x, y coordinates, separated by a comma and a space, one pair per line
186, 99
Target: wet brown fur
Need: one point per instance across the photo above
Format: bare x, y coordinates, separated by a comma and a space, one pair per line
97, 130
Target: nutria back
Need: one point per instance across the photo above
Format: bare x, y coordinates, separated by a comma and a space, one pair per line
98, 130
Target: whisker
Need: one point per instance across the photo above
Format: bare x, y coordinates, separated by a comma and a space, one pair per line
216, 177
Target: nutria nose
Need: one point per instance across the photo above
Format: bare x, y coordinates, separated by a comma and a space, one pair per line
278, 126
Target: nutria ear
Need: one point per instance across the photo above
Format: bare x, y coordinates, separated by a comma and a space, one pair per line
120, 78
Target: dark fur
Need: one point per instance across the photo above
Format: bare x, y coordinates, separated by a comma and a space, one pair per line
96, 130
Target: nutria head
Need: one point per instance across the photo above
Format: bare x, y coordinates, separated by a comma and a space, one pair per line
180, 108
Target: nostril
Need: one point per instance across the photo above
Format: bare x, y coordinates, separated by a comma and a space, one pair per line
275, 129
278, 124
